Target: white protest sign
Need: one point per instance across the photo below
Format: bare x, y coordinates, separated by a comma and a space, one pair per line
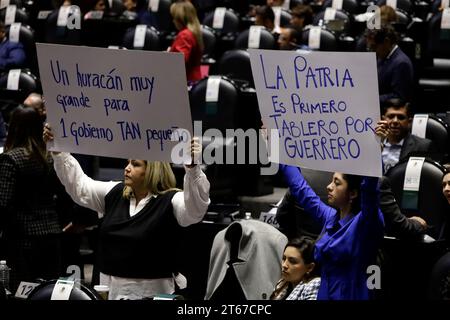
117, 103
325, 107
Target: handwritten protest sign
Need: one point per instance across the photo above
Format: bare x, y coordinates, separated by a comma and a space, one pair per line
325, 106
117, 103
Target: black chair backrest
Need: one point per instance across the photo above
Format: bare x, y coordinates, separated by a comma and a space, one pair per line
438, 132
221, 114
285, 18
21, 15
328, 41
438, 45
432, 206
44, 292
26, 38
230, 23
209, 41
60, 34
151, 43
116, 9
350, 6
163, 16
235, 64
266, 40
28, 83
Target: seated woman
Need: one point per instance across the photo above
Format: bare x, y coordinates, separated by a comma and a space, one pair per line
299, 280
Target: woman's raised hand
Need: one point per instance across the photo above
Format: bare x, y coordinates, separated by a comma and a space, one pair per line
196, 151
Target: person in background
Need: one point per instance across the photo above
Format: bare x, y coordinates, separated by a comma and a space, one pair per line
12, 54
142, 222
264, 16
400, 143
189, 39
301, 16
29, 223
289, 39
299, 279
395, 69
137, 9
36, 101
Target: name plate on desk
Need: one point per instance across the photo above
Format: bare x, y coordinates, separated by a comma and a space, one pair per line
24, 289
270, 217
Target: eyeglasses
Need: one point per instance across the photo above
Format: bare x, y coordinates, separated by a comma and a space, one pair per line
400, 117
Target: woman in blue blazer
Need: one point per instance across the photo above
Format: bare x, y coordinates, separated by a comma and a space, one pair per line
352, 231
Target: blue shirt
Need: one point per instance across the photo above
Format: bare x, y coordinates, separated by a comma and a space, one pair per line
391, 154
346, 247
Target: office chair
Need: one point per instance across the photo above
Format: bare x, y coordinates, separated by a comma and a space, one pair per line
28, 83
245, 261
438, 45
151, 43
328, 41
115, 9
21, 15
438, 132
163, 16
44, 292
230, 23
350, 6
285, 18
431, 206
61, 34
235, 64
26, 38
221, 114
209, 42
266, 40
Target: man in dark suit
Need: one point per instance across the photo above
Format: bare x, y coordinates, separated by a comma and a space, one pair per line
400, 143
395, 70
12, 54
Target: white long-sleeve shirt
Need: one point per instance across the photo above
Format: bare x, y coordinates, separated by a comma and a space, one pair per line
189, 207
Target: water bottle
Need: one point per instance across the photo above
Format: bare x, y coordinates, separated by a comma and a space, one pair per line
4, 275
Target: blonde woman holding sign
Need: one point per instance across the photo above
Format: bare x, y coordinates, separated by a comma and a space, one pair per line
142, 220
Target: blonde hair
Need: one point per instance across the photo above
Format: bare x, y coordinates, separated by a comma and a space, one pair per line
158, 178
184, 12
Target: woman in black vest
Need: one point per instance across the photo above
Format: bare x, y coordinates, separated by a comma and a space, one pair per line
143, 216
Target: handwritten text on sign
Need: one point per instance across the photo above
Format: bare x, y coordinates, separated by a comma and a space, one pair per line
325, 106
116, 103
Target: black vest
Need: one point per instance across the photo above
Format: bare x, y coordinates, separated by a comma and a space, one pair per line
142, 246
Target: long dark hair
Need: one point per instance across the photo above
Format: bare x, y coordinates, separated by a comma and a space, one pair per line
354, 184
25, 131
305, 247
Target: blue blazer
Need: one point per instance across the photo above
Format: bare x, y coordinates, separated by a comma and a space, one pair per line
12, 55
346, 247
